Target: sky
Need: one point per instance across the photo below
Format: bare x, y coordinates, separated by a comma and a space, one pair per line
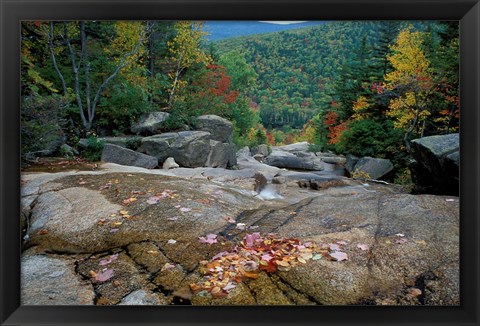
283, 22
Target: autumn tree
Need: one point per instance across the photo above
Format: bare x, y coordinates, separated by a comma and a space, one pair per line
184, 52
77, 40
411, 83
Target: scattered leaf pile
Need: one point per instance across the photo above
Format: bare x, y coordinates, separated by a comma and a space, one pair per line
258, 253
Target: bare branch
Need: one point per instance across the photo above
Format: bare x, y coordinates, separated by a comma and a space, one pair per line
75, 68
54, 61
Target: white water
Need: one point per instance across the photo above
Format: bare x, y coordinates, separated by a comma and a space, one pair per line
269, 192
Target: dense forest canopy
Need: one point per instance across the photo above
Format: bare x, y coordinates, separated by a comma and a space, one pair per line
365, 88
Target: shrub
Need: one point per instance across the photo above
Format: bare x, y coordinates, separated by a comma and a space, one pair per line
41, 124
93, 150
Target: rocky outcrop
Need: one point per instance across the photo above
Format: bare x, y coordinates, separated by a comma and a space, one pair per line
436, 169
221, 129
150, 123
124, 156
127, 235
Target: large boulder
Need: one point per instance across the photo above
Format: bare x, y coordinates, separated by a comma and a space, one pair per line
189, 149
298, 161
376, 168
221, 129
150, 123
248, 162
293, 148
131, 142
436, 170
124, 156
260, 149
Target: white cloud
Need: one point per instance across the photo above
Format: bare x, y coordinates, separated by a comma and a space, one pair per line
283, 22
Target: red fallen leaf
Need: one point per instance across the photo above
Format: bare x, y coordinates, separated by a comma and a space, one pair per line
43, 232
104, 275
167, 266
400, 241
338, 255
251, 238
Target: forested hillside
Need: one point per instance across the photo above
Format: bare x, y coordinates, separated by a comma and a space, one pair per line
361, 87
365, 88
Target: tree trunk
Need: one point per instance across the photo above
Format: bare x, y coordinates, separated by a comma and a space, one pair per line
54, 61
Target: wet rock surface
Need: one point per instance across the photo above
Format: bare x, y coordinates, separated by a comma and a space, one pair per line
131, 236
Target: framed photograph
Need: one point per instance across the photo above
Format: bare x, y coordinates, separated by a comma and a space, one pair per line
239, 162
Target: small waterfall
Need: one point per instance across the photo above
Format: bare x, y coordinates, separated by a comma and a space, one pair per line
269, 192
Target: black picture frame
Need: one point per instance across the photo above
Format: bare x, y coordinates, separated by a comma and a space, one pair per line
14, 11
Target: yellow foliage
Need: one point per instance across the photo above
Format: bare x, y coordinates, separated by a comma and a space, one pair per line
359, 108
413, 76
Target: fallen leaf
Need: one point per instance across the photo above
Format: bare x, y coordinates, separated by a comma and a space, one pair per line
317, 257
104, 275
109, 260
153, 200
251, 238
167, 266
338, 255
423, 242
342, 242
363, 246
251, 275
210, 238
400, 235
116, 283
129, 200
82, 183
123, 212
153, 252
414, 292
185, 209
117, 223
43, 232
400, 241
174, 218
231, 220
229, 286
171, 241
114, 230
449, 199
334, 246
282, 263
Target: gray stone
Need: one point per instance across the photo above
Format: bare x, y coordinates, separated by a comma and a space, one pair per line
350, 162
293, 148
142, 298
150, 123
221, 129
51, 280
124, 156
123, 141
260, 149
279, 180
170, 164
304, 161
374, 167
437, 164
248, 162
259, 157
68, 151
189, 149
245, 151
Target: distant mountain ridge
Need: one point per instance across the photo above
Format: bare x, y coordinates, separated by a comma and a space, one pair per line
220, 30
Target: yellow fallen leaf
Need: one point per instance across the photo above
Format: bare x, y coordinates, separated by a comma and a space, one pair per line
117, 223
123, 212
153, 252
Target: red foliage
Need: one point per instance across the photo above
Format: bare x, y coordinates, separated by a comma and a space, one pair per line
216, 84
